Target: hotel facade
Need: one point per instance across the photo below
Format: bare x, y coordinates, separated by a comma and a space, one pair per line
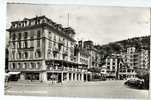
42, 50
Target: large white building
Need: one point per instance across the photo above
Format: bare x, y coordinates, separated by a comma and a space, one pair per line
137, 59
42, 50
124, 65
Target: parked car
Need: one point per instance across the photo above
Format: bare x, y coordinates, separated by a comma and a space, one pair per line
135, 82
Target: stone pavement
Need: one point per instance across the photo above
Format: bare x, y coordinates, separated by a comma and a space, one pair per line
99, 89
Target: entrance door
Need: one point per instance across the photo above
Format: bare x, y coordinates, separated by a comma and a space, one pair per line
59, 78
85, 77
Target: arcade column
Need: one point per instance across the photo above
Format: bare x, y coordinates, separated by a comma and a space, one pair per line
82, 76
71, 76
67, 76
43, 76
75, 78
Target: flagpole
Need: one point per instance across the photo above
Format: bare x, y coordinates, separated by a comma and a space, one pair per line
68, 19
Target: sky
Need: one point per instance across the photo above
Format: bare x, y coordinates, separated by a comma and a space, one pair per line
101, 24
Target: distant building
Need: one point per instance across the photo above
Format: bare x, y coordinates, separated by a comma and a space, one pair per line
117, 68
94, 54
82, 56
137, 59
43, 50
111, 66
124, 65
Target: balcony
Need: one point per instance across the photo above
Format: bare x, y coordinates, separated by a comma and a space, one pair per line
55, 50
61, 42
65, 53
26, 48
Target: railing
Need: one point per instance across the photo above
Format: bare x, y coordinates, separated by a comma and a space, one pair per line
65, 53
61, 42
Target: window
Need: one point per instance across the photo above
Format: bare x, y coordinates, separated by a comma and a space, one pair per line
24, 66
13, 45
31, 55
50, 35
13, 54
19, 44
31, 43
19, 55
26, 55
19, 36
50, 44
54, 38
38, 43
26, 44
108, 67
38, 34
38, 65
49, 53
38, 53
19, 65
67, 43
13, 66
33, 65
25, 35
32, 35
14, 36
54, 55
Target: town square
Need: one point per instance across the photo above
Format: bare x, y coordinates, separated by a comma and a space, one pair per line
65, 51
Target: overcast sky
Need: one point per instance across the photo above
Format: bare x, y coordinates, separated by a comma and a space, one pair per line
98, 23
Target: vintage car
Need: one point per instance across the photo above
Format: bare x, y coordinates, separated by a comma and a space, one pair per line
135, 82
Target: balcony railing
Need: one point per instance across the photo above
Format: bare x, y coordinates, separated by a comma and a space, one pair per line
61, 42
65, 53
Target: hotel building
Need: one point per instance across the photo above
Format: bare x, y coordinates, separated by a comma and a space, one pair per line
94, 54
42, 50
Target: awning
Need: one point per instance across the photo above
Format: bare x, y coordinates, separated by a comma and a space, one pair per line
13, 73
